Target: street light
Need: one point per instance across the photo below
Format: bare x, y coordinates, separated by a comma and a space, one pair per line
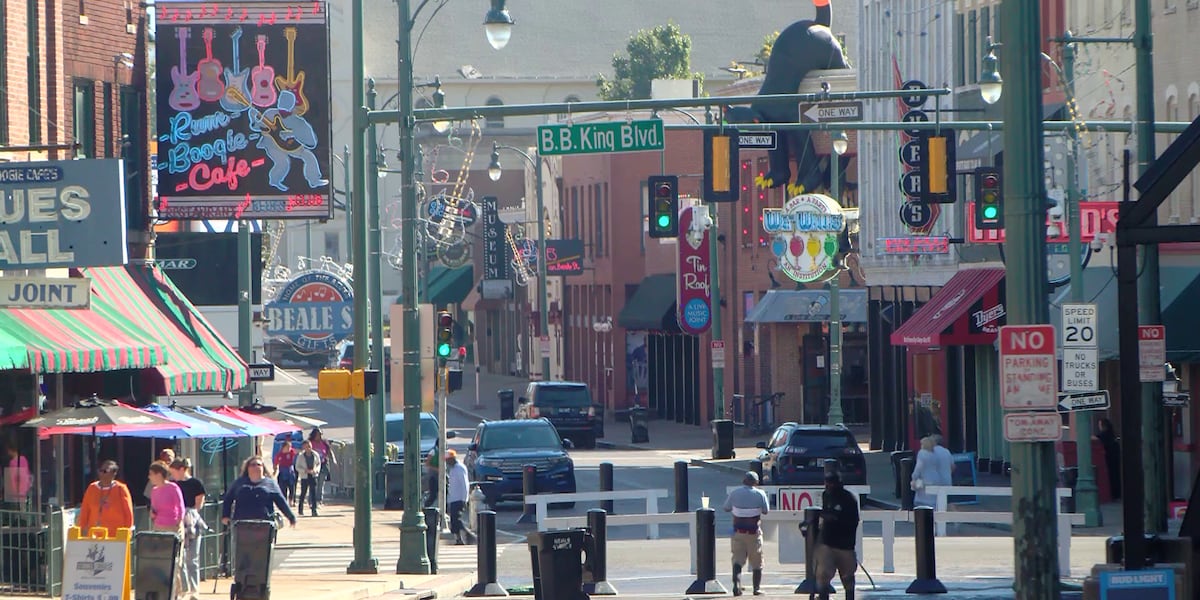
494, 174
840, 144
498, 25
990, 83
439, 101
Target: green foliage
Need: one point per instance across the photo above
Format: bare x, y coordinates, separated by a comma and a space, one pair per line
663, 52
764, 53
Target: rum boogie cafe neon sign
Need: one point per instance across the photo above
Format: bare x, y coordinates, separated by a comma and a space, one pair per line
66, 213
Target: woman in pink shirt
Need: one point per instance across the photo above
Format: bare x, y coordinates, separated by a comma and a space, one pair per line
17, 479
167, 510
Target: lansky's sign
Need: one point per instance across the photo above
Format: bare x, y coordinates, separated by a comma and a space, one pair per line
806, 232
67, 213
314, 311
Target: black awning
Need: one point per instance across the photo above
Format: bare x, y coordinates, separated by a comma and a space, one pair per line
652, 306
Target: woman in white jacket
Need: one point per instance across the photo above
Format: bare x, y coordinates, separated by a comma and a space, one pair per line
932, 468
308, 472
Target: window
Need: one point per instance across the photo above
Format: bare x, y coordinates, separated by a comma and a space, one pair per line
129, 148
604, 211
495, 122
33, 65
108, 120
84, 129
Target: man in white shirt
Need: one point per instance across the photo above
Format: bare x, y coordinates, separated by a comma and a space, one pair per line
456, 495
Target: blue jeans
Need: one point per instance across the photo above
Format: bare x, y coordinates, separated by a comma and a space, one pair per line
191, 563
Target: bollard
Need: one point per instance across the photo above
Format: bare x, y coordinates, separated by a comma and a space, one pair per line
596, 581
926, 581
606, 485
681, 486
812, 520
706, 554
756, 467
485, 558
528, 490
906, 491
432, 519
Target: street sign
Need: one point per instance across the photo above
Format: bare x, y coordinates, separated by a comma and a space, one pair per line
594, 138
1032, 427
1152, 352
718, 354
261, 372
915, 116
1080, 369
915, 215
1146, 584
544, 342
1079, 325
1028, 370
1070, 402
1176, 399
760, 140
832, 112
910, 154
913, 101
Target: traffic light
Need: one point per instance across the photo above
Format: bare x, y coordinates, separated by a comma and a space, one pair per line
938, 157
989, 199
445, 334
664, 206
721, 166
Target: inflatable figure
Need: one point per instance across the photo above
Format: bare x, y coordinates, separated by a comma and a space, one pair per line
805, 46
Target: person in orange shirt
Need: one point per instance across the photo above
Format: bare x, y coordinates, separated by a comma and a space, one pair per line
106, 503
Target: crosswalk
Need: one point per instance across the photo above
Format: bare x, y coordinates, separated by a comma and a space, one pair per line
327, 559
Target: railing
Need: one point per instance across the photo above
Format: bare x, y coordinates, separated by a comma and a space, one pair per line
542, 501
31, 552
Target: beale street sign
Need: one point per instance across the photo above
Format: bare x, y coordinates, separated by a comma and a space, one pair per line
599, 138
314, 311
694, 277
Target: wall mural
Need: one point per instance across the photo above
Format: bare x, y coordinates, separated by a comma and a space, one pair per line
244, 117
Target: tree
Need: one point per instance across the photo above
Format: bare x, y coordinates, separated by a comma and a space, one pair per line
663, 52
764, 53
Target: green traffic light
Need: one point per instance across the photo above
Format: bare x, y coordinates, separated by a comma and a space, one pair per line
664, 221
443, 350
990, 212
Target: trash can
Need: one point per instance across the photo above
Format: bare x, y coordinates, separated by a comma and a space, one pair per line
393, 485
252, 545
507, 406
722, 430
638, 431
556, 556
901, 485
156, 554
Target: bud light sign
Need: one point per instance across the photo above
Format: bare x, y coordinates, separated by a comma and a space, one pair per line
314, 311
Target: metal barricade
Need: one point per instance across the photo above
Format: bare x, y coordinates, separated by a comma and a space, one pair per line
31, 552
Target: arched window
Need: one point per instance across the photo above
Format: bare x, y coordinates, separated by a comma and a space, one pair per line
495, 122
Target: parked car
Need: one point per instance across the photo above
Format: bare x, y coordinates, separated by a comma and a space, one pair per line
428, 428
279, 351
343, 354
500, 449
568, 406
796, 454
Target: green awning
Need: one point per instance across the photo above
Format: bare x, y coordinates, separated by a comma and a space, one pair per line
449, 286
652, 306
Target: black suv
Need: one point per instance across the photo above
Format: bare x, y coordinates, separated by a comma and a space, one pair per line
500, 450
795, 455
568, 406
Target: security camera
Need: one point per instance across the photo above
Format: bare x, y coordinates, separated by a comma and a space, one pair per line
1097, 243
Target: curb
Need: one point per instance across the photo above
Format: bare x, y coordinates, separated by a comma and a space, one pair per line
453, 586
726, 467
466, 413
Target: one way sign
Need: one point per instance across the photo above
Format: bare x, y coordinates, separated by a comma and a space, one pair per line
262, 372
1073, 401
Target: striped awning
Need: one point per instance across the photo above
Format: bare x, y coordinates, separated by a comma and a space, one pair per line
81, 340
12, 353
198, 360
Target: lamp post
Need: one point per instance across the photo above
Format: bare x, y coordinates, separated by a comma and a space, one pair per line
494, 173
840, 145
374, 269
498, 26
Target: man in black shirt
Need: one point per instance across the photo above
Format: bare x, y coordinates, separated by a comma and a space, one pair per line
836, 536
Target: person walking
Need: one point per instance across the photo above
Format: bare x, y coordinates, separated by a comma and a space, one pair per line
1112, 455
106, 503
193, 523
166, 512
837, 532
285, 472
932, 468
748, 504
17, 479
321, 445
254, 496
308, 470
165, 456
456, 496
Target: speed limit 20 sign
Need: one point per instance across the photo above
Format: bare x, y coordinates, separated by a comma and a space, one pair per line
1079, 326
1080, 364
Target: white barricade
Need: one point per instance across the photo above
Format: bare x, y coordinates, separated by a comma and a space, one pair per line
943, 492
541, 502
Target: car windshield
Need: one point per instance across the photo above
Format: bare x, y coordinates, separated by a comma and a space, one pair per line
395, 430
563, 396
819, 441
503, 438
348, 351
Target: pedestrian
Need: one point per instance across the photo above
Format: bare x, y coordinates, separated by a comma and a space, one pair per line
1112, 455
17, 478
166, 456
319, 443
193, 523
254, 496
433, 475
456, 496
837, 533
932, 468
308, 470
166, 511
285, 472
748, 504
106, 503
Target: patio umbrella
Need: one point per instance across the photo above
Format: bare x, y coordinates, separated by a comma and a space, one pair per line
97, 417
187, 426
275, 414
275, 427
245, 427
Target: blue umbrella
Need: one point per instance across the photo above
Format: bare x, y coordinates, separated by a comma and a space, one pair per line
244, 427
190, 427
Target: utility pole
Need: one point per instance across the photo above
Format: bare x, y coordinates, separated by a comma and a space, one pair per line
1149, 312
543, 298
374, 267
1033, 463
835, 308
714, 260
245, 275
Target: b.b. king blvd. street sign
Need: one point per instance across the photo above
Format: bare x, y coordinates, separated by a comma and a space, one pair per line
594, 138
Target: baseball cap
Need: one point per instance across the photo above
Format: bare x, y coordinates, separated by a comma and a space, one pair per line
751, 476
451, 453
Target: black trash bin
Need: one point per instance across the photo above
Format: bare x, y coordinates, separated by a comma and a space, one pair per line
638, 430
393, 485
252, 545
722, 430
556, 556
155, 555
896, 458
507, 404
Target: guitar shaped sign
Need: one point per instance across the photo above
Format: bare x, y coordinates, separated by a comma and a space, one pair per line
210, 88
183, 96
294, 81
262, 77
235, 79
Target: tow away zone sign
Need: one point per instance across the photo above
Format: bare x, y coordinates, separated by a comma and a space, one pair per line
1032, 427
